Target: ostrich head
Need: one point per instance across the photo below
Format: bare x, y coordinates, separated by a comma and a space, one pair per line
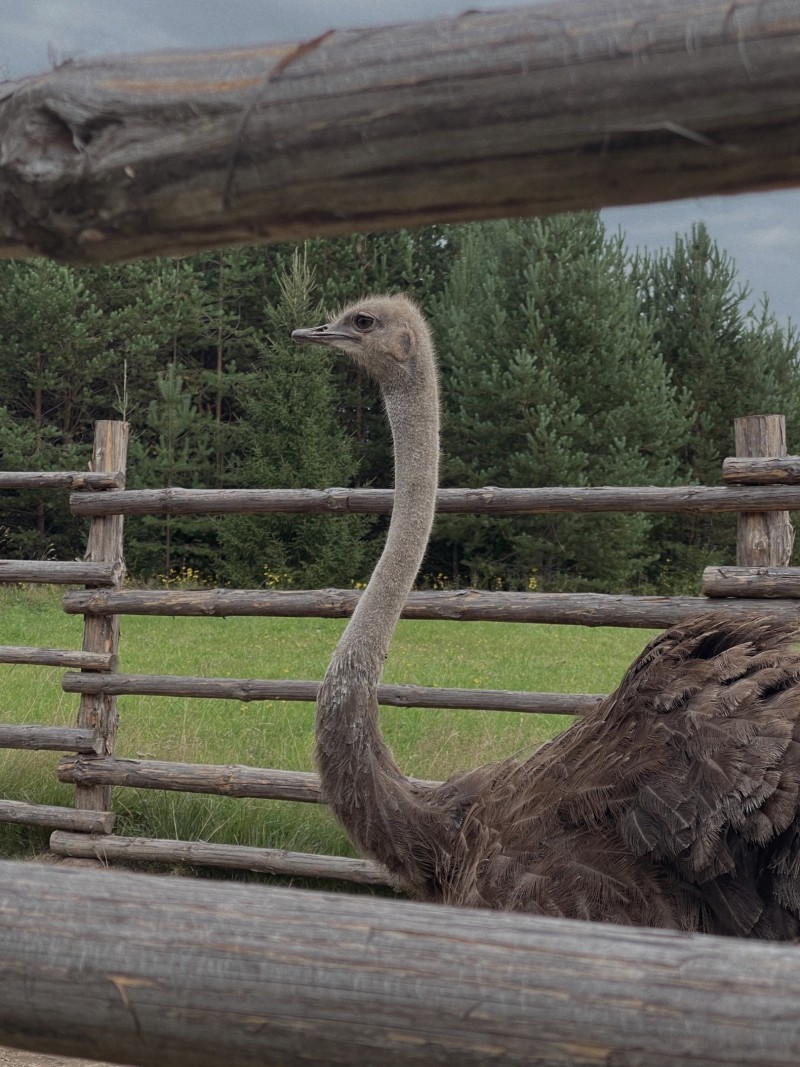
385, 335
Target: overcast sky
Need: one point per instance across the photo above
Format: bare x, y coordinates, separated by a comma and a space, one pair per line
761, 232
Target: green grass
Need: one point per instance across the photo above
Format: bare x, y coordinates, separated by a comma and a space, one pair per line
426, 743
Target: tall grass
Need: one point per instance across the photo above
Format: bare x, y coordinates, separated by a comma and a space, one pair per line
426, 743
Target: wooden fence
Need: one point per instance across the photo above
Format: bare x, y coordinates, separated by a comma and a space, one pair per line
760, 581
535, 110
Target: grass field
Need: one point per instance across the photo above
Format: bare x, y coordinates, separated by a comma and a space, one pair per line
426, 743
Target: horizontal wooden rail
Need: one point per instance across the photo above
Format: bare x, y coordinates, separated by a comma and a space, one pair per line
399, 696
58, 657
466, 605
114, 849
751, 582
50, 738
17, 811
486, 501
757, 470
531, 111
57, 572
213, 779
182, 972
61, 480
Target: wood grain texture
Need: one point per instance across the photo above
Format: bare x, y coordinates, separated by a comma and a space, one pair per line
489, 500
402, 696
215, 779
111, 848
466, 605
101, 632
535, 110
761, 470
49, 738
58, 572
18, 811
188, 973
61, 480
58, 657
751, 582
763, 539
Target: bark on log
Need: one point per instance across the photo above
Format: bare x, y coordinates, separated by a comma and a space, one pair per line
111, 848
58, 572
466, 605
751, 582
488, 500
216, 780
57, 657
93, 822
398, 696
49, 738
761, 470
101, 632
61, 479
763, 539
187, 973
531, 111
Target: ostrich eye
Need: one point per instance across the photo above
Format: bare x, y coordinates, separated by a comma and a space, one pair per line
363, 322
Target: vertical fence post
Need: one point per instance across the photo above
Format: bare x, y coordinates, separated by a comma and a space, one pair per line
101, 632
763, 538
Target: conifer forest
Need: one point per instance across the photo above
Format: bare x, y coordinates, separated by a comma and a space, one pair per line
565, 360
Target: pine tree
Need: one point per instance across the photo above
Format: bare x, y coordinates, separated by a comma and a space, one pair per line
729, 361
291, 439
551, 377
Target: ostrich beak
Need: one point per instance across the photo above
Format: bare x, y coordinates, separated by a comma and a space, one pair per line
320, 335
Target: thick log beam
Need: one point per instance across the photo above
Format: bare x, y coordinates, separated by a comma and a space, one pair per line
486, 501
398, 696
761, 470
187, 973
530, 111
466, 605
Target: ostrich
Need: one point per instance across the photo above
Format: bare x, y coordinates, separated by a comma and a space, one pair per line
673, 804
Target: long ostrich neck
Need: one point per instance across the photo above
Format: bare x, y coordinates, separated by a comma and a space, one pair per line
414, 421
360, 779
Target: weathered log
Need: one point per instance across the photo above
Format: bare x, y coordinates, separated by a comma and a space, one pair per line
188, 973
61, 479
399, 696
58, 572
101, 632
763, 538
466, 605
751, 582
761, 470
49, 738
214, 779
486, 501
110, 848
532, 111
95, 822
58, 657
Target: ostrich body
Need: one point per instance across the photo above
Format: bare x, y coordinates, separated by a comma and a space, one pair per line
673, 804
